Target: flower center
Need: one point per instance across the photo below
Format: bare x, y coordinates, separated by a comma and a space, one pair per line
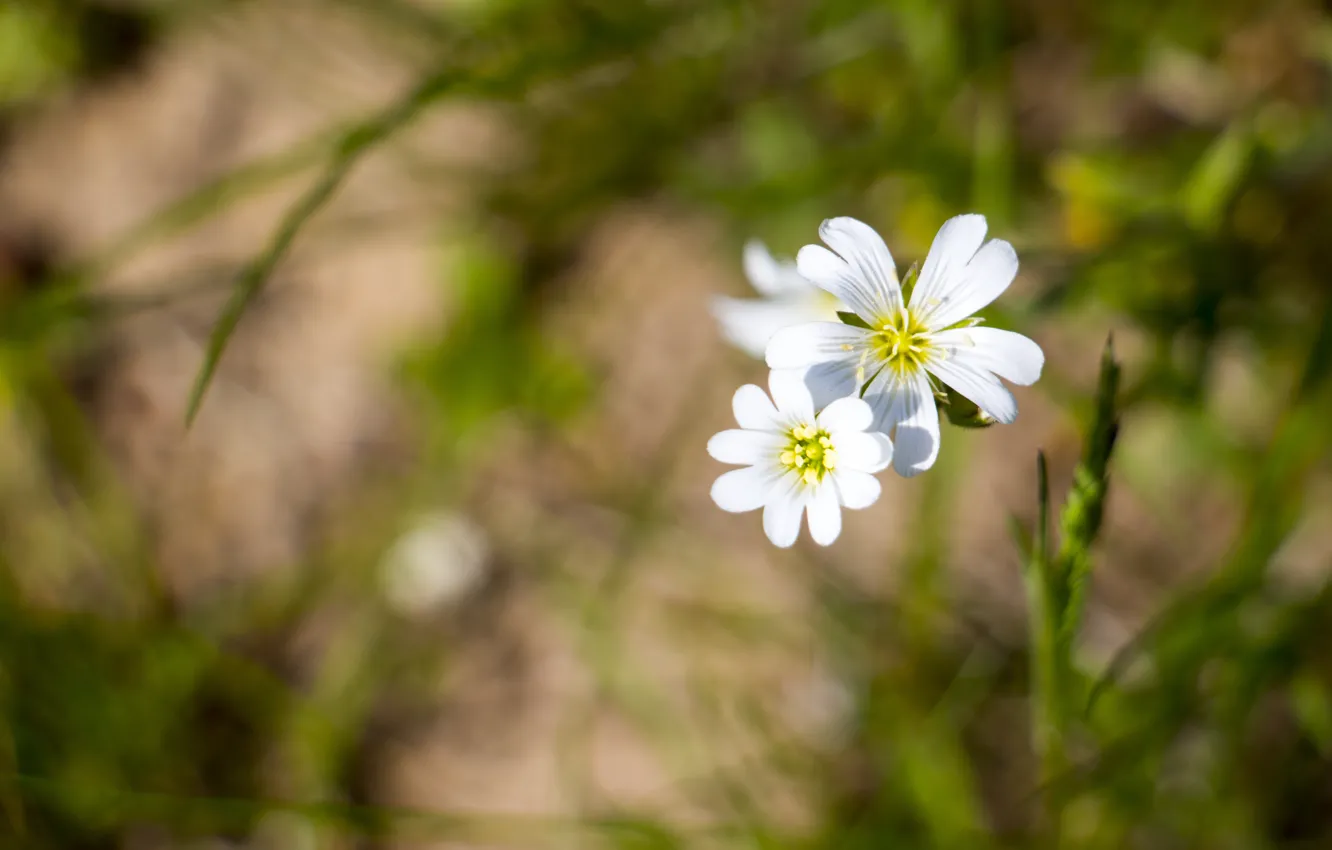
810, 453
903, 344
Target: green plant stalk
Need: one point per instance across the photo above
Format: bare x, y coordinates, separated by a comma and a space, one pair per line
1084, 507
1056, 587
1047, 662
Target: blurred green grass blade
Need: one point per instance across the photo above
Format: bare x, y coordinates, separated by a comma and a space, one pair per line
1318, 363
1312, 707
1084, 508
992, 178
218, 813
352, 147
941, 781
1041, 534
1216, 178
11, 802
215, 196
1043, 613
1042, 618
1274, 506
520, 49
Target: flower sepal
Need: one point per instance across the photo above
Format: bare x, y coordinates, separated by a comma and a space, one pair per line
962, 411
909, 282
849, 318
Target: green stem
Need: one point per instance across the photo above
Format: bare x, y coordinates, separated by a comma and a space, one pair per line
1047, 664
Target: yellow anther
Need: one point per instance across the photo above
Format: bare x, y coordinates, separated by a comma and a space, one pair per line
810, 453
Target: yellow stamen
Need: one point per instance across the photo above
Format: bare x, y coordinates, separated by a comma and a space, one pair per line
903, 344
810, 453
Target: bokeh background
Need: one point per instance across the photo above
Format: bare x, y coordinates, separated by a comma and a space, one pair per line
435, 564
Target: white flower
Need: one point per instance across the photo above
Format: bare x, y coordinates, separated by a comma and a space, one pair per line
797, 461
907, 343
788, 299
440, 560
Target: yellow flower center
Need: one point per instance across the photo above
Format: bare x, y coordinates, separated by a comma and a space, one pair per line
903, 344
810, 453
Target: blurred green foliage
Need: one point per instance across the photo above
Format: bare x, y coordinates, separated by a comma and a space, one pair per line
35, 53
1165, 168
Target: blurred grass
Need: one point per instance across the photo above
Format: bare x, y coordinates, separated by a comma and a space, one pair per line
1162, 168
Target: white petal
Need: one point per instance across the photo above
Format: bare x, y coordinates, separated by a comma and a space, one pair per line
795, 405
747, 447
869, 259
770, 276
953, 247
745, 489
846, 414
978, 385
861, 451
830, 381
750, 324
856, 489
783, 510
753, 410
816, 342
760, 267
1009, 355
831, 273
825, 515
905, 408
987, 276
971, 287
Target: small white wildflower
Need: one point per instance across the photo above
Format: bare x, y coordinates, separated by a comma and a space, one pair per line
437, 562
788, 299
906, 343
797, 461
